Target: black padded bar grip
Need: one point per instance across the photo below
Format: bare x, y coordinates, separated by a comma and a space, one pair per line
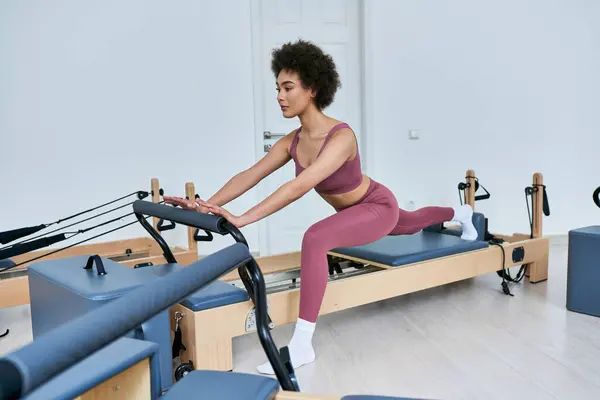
26, 247
9, 236
596, 196
25, 369
208, 222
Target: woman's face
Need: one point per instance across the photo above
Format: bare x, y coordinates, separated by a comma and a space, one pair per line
293, 98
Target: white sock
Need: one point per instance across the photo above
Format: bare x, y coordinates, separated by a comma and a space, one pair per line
300, 347
464, 215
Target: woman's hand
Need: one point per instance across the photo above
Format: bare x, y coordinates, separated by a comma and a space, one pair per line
186, 204
237, 221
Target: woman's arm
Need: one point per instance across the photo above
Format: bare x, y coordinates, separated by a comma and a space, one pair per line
335, 154
246, 180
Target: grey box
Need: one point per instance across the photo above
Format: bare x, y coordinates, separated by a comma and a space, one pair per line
62, 290
583, 274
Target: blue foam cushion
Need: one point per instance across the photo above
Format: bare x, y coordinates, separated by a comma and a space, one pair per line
6, 263
99, 367
407, 249
223, 386
216, 294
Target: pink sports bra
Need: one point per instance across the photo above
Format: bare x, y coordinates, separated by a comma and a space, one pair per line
346, 178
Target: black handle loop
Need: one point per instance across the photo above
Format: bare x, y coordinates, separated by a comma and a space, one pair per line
596, 196
463, 186
161, 226
99, 264
481, 196
206, 238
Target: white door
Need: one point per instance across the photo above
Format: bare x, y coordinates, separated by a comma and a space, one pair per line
334, 25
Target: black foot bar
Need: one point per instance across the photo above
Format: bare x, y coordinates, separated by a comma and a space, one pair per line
249, 272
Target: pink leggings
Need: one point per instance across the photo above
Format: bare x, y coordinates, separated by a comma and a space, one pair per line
374, 216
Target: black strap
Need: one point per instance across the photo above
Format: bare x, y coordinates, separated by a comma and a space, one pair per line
26, 247
99, 264
177, 343
12, 235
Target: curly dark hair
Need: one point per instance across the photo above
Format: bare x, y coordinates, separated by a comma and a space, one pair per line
315, 68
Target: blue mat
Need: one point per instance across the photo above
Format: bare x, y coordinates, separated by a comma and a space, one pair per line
407, 249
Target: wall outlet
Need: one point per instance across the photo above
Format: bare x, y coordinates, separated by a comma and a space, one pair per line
414, 134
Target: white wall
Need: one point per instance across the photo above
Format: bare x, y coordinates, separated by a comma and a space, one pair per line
505, 88
143, 83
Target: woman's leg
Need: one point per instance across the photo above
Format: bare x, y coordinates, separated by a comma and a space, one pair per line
410, 222
366, 222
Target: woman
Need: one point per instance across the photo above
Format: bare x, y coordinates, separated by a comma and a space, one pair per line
325, 153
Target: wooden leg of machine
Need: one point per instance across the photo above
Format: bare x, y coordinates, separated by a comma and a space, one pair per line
470, 192
538, 271
190, 193
204, 349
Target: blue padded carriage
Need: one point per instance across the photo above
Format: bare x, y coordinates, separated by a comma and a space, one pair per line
432, 242
223, 385
401, 250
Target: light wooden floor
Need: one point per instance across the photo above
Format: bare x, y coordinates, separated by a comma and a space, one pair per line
462, 341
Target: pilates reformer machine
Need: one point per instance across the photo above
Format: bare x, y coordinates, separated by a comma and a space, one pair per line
108, 353
390, 267
23, 246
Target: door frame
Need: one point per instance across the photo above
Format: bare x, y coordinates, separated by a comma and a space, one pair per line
366, 86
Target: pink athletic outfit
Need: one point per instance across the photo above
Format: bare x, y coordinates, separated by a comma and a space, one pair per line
374, 216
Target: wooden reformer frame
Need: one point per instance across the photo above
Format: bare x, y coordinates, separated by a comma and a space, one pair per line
14, 290
208, 334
